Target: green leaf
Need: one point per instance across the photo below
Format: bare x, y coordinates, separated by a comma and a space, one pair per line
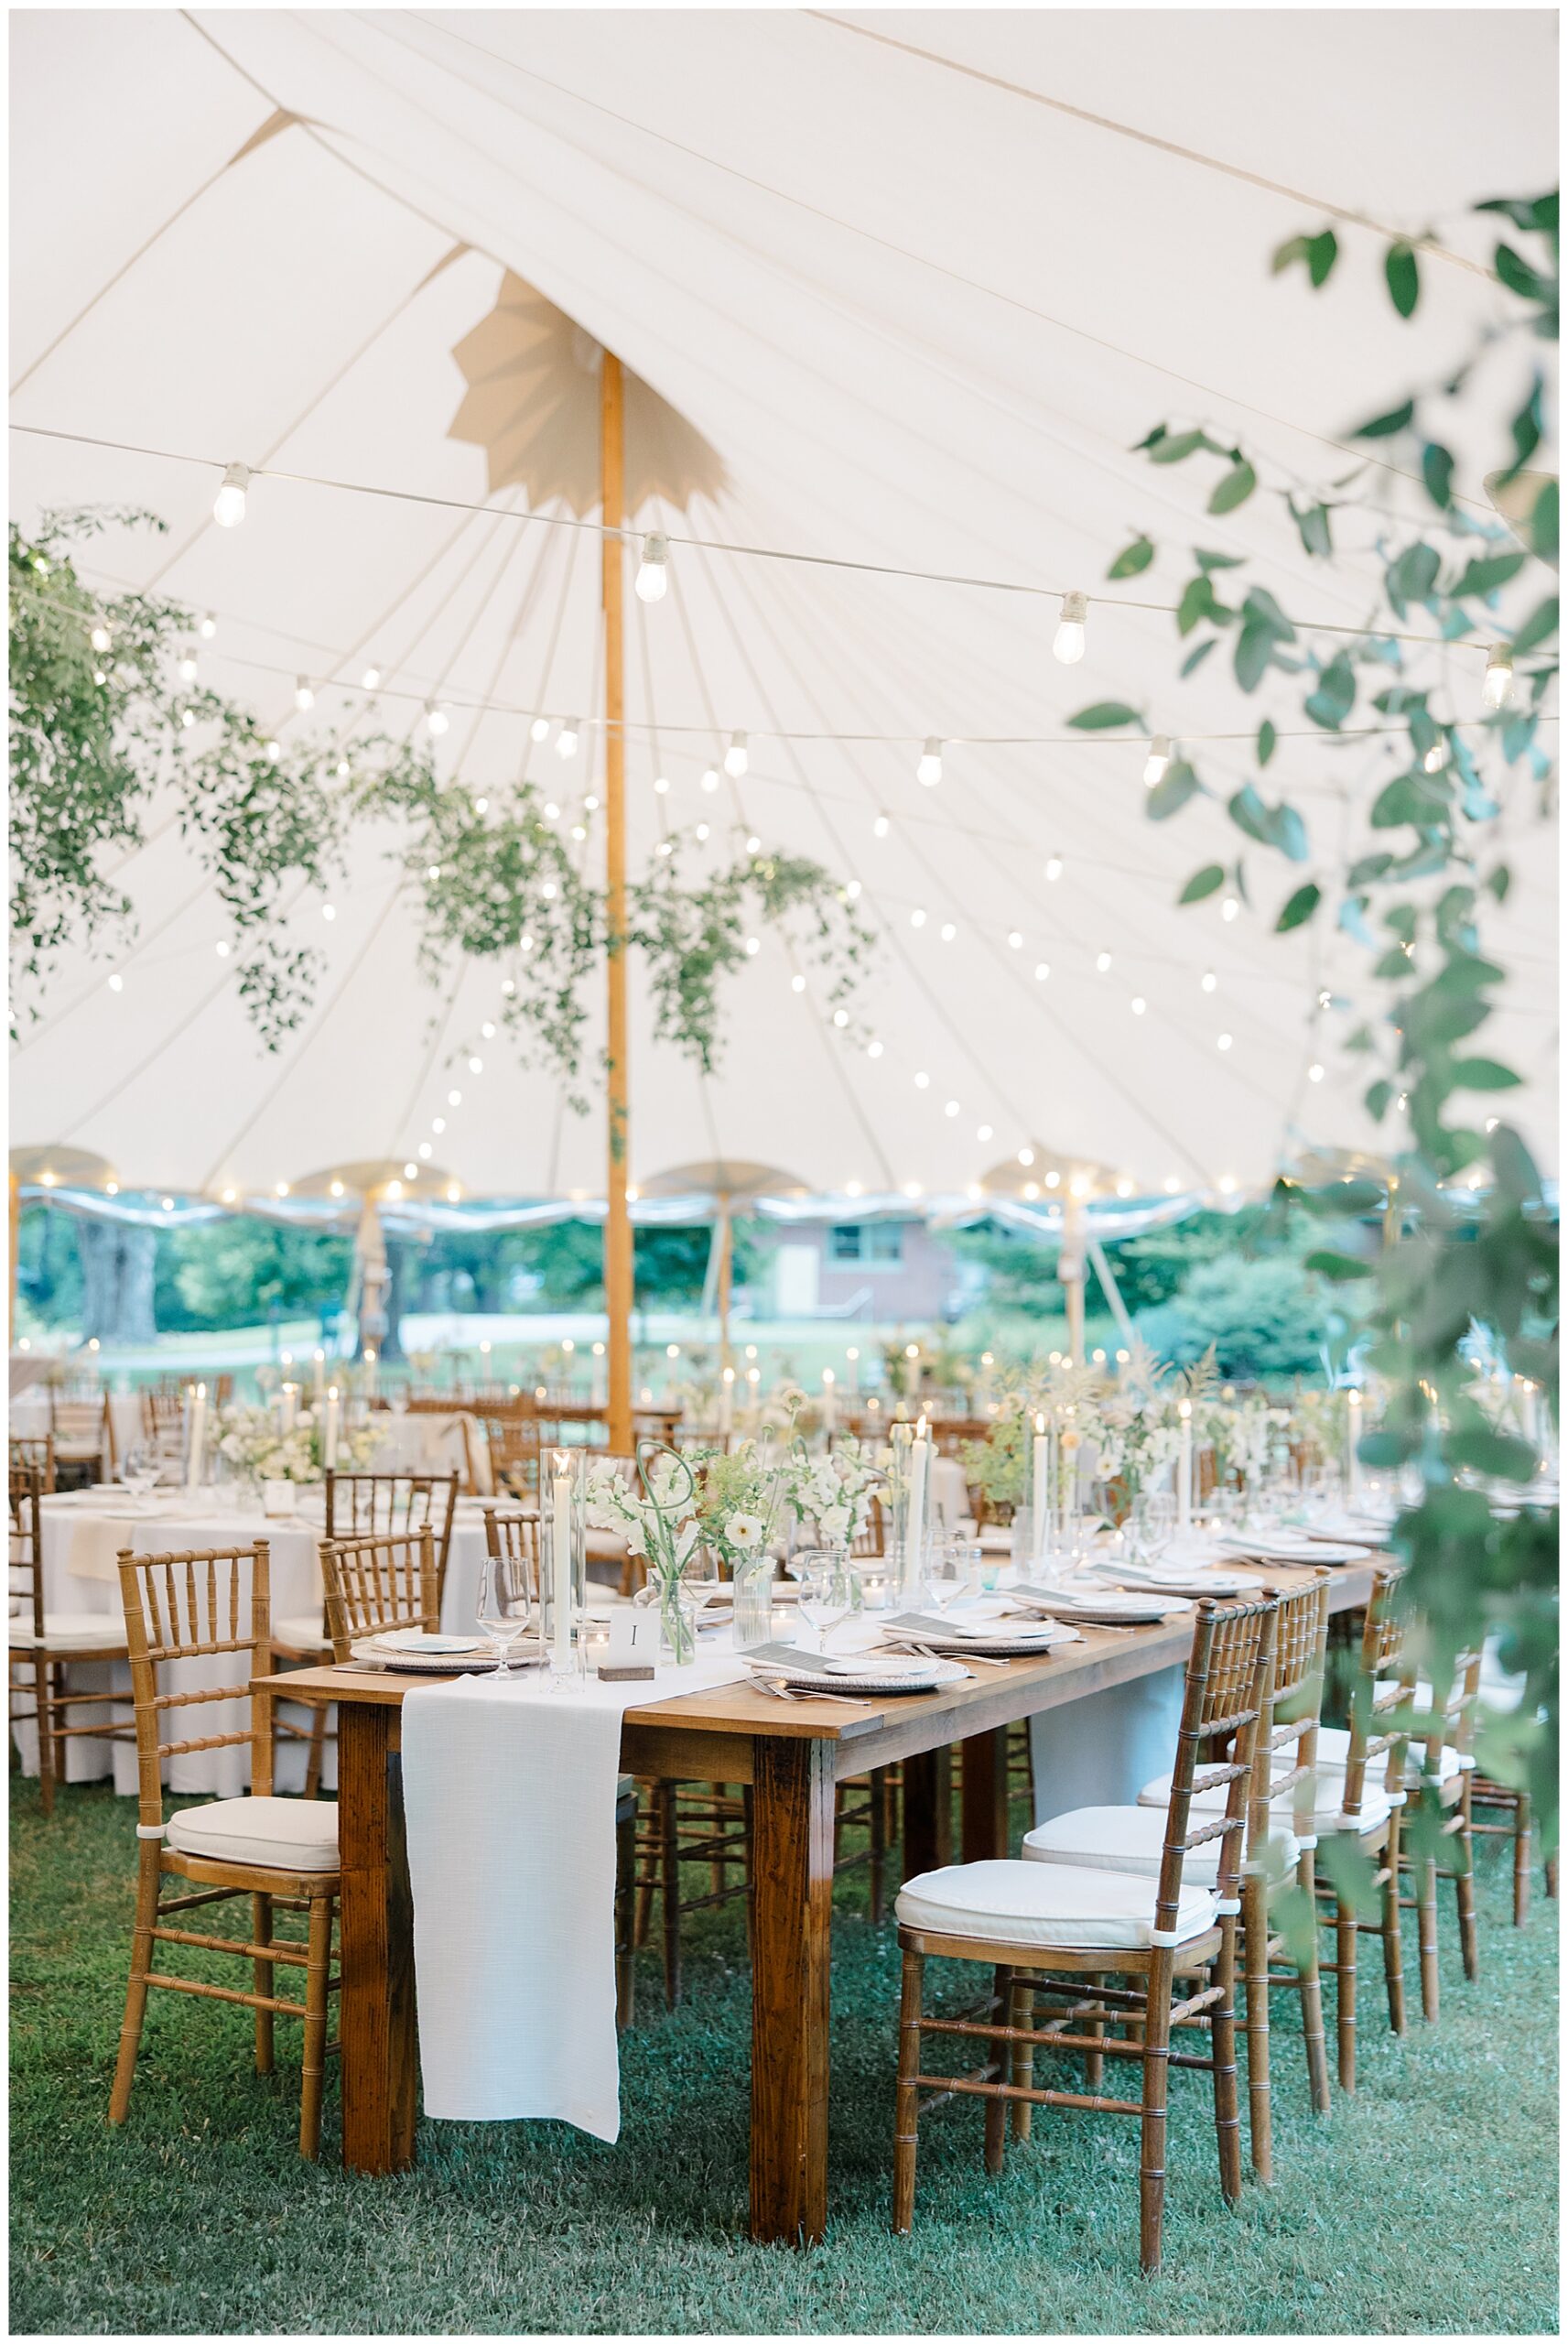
1317, 255
1383, 427
1168, 796
1299, 908
1133, 558
1234, 488
1175, 448
1218, 560
1375, 1100
1104, 716
1403, 279
1203, 882
1437, 471
1313, 525
1525, 212
1150, 440
1481, 1074
1254, 649
1199, 601
1268, 740
1338, 1267
1492, 1453
1195, 658
1412, 576
1486, 573
1539, 627
1543, 522
1498, 882
1334, 697
1369, 867
1516, 274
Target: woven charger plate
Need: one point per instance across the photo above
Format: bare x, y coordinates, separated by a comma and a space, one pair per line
410, 1659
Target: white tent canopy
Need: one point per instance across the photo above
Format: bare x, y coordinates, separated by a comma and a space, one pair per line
919, 307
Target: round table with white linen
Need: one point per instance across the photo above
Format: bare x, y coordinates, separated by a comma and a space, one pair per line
83, 1534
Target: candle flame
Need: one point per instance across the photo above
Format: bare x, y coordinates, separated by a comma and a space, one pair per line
1184, 1408
1040, 1425
919, 1429
563, 1457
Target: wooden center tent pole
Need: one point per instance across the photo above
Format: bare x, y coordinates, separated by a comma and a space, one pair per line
617, 1219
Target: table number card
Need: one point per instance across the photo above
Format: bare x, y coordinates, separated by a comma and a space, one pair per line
633, 1648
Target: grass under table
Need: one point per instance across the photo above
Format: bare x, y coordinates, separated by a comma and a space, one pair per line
1428, 2204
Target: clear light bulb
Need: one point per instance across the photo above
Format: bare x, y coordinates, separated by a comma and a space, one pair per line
654, 569
435, 718
710, 779
929, 769
736, 759
881, 827
1102, 961
1314, 1072
1157, 762
187, 669
207, 628
1499, 679
1041, 971
100, 639
229, 505
1229, 909
372, 678
540, 729
304, 696
1053, 866
566, 738
661, 784
1068, 646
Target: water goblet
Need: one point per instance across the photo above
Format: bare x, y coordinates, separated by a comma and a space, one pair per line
827, 1595
506, 1600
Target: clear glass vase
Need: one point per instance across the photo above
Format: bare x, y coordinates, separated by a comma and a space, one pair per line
752, 1587
677, 1623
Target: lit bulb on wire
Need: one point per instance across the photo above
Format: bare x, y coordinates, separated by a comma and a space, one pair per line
1499, 679
736, 758
540, 729
1068, 645
100, 637
566, 738
929, 769
372, 678
654, 569
207, 628
1156, 765
304, 695
435, 718
188, 668
228, 507
710, 779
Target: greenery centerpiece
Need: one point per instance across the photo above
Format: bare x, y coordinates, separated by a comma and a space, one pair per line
253, 1443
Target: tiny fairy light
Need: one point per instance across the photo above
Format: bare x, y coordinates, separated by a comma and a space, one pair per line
1497, 680
929, 769
1053, 866
435, 718
207, 628
1070, 638
304, 694
1157, 762
101, 639
371, 677
654, 569
228, 507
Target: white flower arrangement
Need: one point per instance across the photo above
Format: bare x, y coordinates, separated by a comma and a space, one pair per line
834, 1491
253, 1443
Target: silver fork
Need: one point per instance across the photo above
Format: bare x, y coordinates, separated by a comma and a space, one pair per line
782, 1690
979, 1659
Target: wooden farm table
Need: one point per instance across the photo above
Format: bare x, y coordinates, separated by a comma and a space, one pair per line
793, 1755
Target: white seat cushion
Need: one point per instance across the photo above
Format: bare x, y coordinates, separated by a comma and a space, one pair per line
280, 1834
304, 1629
1334, 1756
1133, 1839
1012, 1903
1327, 1814
91, 1630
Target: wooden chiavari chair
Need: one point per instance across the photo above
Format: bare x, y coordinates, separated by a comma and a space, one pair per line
276, 1851
83, 1432
1370, 1811
34, 1453
42, 1644
1440, 1771
357, 1503
513, 1443
1053, 1932
163, 1422
380, 1580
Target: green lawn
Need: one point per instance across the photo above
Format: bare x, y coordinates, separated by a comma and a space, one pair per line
1428, 2204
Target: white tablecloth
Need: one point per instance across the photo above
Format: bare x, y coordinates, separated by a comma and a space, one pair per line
82, 1536
509, 1791
1102, 1750
29, 1417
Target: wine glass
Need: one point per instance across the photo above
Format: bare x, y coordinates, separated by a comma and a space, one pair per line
505, 1601
139, 1470
1154, 1524
953, 1563
827, 1595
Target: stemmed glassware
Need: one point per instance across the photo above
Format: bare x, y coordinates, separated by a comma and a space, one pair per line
826, 1594
1153, 1524
953, 1565
505, 1601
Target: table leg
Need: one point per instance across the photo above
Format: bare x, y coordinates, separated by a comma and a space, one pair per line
928, 1811
376, 1946
982, 1803
792, 1889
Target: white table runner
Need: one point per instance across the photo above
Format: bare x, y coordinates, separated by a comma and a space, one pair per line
509, 1793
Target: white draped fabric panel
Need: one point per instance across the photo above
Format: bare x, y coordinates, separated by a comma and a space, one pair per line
921, 307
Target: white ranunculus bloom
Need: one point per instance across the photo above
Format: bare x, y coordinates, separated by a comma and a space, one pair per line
743, 1530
